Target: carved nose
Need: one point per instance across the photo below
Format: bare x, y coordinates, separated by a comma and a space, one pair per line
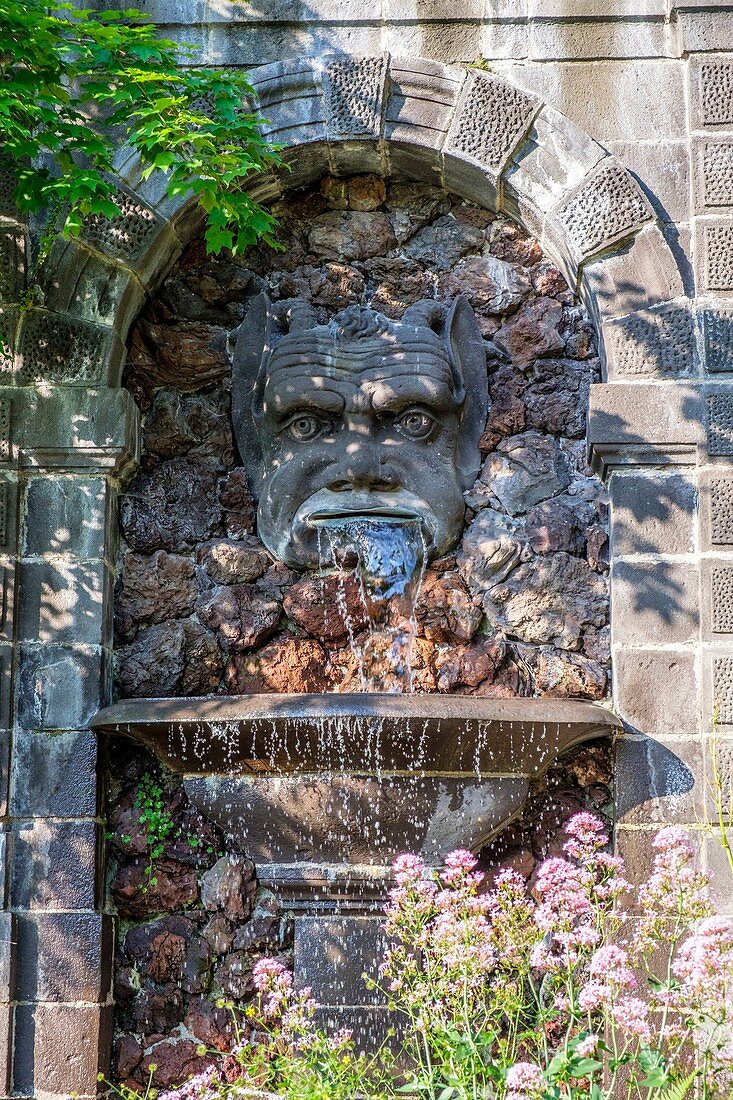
365, 469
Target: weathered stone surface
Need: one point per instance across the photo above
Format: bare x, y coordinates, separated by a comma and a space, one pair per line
327, 607
170, 949
219, 934
550, 599
565, 675
419, 200
197, 425
445, 611
172, 508
285, 665
236, 500
230, 886
513, 244
173, 1062
153, 589
559, 524
489, 551
209, 289
228, 561
472, 669
240, 615
189, 356
443, 243
556, 400
549, 282
210, 1024
233, 976
507, 412
399, 283
492, 286
262, 931
522, 471
357, 193
330, 288
351, 235
136, 895
177, 657
532, 332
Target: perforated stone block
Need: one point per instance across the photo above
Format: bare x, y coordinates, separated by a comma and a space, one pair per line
354, 89
720, 423
127, 235
717, 327
605, 208
714, 248
490, 120
711, 100
656, 342
722, 668
8, 329
713, 173
12, 263
721, 510
54, 348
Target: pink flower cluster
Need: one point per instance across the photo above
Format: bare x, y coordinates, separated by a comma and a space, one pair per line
676, 894
704, 967
291, 1009
200, 1087
524, 1081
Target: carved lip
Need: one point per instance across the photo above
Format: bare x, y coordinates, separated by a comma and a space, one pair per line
380, 511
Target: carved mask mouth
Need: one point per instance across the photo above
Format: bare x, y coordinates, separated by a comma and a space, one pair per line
326, 507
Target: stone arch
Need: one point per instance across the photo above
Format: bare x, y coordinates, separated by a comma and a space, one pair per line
464, 129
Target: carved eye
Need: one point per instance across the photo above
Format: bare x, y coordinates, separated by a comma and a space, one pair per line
306, 426
416, 424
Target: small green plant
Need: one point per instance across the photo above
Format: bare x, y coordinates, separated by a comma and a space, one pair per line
77, 84
156, 822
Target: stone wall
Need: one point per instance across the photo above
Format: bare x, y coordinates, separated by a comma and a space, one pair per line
520, 609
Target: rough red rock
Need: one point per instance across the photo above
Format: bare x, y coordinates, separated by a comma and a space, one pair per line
157, 1012
233, 976
173, 507
464, 669
236, 500
556, 400
327, 607
152, 589
366, 192
138, 894
262, 931
398, 283
419, 201
445, 610
547, 280
197, 425
170, 950
514, 245
229, 561
329, 288
285, 665
532, 332
560, 523
189, 356
175, 657
240, 615
219, 934
442, 244
566, 675
128, 1054
507, 413
522, 471
209, 1024
351, 234
174, 1063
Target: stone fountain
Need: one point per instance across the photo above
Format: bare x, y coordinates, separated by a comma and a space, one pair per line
360, 437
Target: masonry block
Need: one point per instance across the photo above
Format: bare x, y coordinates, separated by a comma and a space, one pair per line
636, 276
54, 775
717, 593
64, 957
658, 781
332, 953
12, 262
717, 326
60, 687
637, 675
354, 90
55, 864
491, 119
58, 1049
65, 515
653, 513
54, 348
61, 602
711, 98
719, 407
8, 510
605, 208
713, 158
714, 249
9, 316
653, 343
654, 602
92, 287
128, 235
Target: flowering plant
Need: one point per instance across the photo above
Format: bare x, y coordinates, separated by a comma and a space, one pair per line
565, 995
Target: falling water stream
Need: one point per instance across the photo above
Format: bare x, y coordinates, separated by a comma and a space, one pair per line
388, 558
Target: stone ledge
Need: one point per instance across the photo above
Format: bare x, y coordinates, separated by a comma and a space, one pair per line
637, 424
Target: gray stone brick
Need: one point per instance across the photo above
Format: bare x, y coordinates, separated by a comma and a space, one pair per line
66, 515
332, 953
55, 864
653, 513
714, 252
59, 1049
54, 775
634, 277
62, 602
60, 687
655, 602
658, 782
64, 957
638, 697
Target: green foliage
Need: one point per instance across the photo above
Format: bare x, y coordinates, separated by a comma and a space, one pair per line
156, 821
74, 85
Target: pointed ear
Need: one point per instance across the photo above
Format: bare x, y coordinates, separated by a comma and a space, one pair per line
252, 344
468, 357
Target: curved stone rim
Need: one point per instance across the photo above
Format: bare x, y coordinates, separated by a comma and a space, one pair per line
464, 129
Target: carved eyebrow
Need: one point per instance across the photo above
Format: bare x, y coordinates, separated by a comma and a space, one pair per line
400, 393
284, 400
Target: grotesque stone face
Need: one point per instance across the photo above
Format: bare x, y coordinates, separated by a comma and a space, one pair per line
363, 416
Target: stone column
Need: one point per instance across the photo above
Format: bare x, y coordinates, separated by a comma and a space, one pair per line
64, 449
